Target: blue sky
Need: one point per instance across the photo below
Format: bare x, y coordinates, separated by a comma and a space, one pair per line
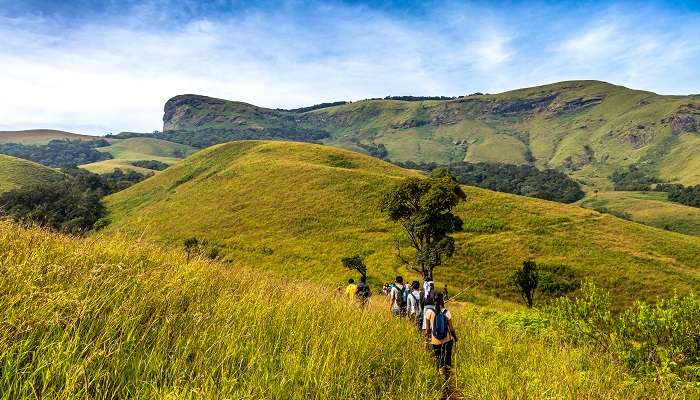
99, 67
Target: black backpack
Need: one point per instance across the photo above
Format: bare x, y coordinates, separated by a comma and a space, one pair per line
401, 297
362, 291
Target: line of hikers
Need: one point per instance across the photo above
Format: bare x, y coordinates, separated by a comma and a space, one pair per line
424, 308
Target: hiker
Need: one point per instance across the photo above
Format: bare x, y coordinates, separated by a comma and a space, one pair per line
415, 305
445, 294
363, 291
351, 289
442, 335
429, 305
398, 298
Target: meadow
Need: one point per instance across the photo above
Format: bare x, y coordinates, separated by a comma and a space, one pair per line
125, 151
298, 208
15, 173
106, 317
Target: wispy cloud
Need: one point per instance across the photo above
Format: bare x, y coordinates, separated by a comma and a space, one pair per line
113, 71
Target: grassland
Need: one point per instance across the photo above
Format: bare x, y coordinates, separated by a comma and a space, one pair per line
110, 317
39, 136
125, 151
651, 208
15, 173
289, 208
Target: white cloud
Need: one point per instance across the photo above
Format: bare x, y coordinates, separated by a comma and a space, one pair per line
115, 74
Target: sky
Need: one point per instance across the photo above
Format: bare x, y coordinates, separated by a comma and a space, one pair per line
103, 67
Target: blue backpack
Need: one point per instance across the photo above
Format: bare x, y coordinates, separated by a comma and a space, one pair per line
440, 326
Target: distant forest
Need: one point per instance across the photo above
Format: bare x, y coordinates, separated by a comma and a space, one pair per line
524, 180
635, 179
59, 153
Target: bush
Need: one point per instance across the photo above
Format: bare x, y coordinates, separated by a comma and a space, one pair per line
59, 153
661, 339
632, 179
150, 164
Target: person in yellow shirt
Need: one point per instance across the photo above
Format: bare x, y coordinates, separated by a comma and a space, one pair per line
351, 289
441, 334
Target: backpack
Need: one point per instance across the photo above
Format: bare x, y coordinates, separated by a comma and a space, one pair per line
362, 291
418, 310
402, 298
440, 326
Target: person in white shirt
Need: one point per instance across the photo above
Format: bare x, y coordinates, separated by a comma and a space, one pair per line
415, 305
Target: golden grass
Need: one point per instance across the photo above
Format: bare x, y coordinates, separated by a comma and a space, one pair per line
16, 172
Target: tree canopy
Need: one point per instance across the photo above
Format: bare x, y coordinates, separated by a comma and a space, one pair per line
423, 207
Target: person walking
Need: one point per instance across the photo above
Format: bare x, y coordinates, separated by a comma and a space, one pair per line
445, 293
351, 289
363, 291
441, 333
398, 297
415, 305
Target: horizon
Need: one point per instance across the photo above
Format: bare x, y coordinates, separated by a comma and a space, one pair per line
113, 67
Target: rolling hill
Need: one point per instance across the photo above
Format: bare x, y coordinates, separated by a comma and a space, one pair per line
15, 173
125, 151
585, 128
40, 136
297, 208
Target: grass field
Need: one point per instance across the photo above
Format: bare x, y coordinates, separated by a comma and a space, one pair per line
289, 207
651, 208
39, 136
15, 173
111, 317
126, 151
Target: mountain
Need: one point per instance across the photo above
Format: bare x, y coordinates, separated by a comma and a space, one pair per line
585, 128
40, 136
15, 173
126, 151
297, 208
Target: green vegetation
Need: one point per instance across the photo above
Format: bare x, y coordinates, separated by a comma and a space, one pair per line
650, 208
526, 280
585, 128
108, 319
58, 153
68, 202
39, 136
279, 206
150, 164
130, 154
424, 209
633, 179
16, 173
524, 180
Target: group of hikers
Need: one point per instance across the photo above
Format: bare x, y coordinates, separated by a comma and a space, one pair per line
424, 307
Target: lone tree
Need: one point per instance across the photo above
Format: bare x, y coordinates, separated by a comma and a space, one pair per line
424, 207
355, 263
526, 280
191, 245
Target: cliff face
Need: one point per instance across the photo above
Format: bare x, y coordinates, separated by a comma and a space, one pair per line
567, 125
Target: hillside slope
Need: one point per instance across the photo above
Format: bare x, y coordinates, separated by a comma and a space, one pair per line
586, 128
298, 208
39, 136
15, 172
125, 151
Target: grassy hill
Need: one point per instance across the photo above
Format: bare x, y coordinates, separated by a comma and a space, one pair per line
111, 317
15, 172
39, 136
586, 128
297, 208
126, 151
651, 208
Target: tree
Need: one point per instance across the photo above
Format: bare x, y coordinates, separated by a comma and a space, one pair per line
355, 263
526, 280
423, 207
191, 244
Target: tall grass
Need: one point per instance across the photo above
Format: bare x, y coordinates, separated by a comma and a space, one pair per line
102, 319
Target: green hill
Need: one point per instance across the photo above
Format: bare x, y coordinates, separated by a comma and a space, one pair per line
15, 172
39, 136
125, 151
586, 128
297, 208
